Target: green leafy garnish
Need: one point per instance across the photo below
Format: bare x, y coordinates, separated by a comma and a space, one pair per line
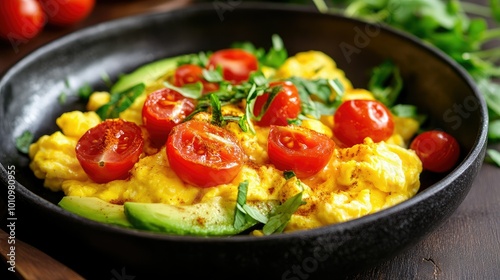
200, 59
274, 58
24, 141
280, 218
193, 90
315, 95
85, 91
240, 217
119, 102
62, 98
386, 83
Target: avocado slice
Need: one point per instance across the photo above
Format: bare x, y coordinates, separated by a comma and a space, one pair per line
95, 209
145, 74
211, 218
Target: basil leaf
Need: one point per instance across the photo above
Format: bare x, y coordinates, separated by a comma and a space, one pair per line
280, 218
119, 102
24, 141
200, 59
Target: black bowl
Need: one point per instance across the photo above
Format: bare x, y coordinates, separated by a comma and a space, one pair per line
29, 101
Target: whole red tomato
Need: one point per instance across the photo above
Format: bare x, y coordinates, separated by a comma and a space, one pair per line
20, 19
438, 150
67, 12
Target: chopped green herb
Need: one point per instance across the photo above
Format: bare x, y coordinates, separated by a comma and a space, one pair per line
62, 98
280, 218
85, 91
239, 214
193, 90
213, 76
288, 174
275, 57
217, 117
24, 141
119, 102
200, 59
315, 95
386, 83
106, 79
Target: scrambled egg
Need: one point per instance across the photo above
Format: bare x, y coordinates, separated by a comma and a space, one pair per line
357, 181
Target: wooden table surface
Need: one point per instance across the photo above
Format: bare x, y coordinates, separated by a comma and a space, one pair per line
466, 246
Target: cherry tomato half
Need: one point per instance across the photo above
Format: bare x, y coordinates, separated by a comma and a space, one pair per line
296, 148
20, 19
203, 154
355, 120
236, 64
67, 12
109, 150
162, 110
284, 106
190, 73
438, 150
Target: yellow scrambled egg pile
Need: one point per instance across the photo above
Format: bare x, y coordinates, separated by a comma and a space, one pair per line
357, 181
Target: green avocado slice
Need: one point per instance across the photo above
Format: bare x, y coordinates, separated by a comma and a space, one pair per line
211, 218
145, 74
95, 209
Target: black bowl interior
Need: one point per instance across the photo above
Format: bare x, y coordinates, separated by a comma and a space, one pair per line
29, 101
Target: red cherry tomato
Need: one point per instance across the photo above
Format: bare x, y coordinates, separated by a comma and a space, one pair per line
355, 120
236, 64
284, 106
296, 148
203, 154
20, 19
162, 110
190, 73
438, 150
109, 150
67, 12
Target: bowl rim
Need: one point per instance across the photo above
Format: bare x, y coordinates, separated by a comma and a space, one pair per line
129, 21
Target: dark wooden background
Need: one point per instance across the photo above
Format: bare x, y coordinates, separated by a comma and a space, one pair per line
466, 246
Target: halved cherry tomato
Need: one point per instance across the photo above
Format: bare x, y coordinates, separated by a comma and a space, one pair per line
20, 20
284, 106
162, 110
355, 120
438, 150
203, 154
236, 64
296, 148
190, 73
67, 12
109, 150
